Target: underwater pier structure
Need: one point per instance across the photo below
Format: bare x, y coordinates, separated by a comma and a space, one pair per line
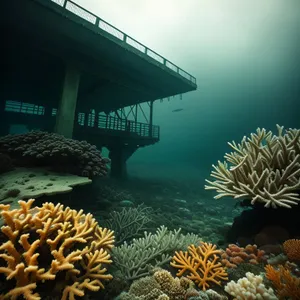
66, 70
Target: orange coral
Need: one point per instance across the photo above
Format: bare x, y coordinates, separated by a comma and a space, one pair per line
43, 242
286, 285
235, 255
292, 249
201, 263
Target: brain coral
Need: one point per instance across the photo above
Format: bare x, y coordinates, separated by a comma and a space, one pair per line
39, 148
52, 248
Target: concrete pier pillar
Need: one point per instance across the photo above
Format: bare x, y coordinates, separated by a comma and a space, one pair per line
67, 106
118, 164
119, 156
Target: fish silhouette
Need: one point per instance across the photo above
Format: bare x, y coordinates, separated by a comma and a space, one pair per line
177, 110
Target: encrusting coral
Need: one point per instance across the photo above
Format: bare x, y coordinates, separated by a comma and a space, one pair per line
161, 285
235, 255
202, 263
52, 245
38, 148
263, 168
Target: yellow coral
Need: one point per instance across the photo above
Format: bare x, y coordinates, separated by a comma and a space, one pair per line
71, 241
202, 264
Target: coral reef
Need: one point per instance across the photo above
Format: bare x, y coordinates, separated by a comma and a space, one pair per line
134, 260
52, 247
38, 148
263, 168
250, 287
202, 263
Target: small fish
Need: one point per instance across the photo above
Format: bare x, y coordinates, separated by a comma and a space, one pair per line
177, 110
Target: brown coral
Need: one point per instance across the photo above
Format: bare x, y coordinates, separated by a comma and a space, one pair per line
49, 241
161, 285
286, 285
235, 255
292, 249
202, 264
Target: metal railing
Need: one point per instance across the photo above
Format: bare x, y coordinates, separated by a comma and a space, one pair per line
103, 25
25, 108
113, 123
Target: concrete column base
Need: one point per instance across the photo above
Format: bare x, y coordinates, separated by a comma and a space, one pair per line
119, 156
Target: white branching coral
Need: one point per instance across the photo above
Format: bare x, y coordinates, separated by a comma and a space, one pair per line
263, 167
250, 287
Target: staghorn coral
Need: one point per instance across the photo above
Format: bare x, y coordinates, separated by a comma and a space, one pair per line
286, 285
235, 255
263, 168
202, 264
135, 259
250, 287
56, 245
38, 148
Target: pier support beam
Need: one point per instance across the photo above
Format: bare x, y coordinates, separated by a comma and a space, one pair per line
151, 118
67, 107
119, 156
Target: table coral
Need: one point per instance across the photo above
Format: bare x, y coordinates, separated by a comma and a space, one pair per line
202, 264
34, 183
53, 243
